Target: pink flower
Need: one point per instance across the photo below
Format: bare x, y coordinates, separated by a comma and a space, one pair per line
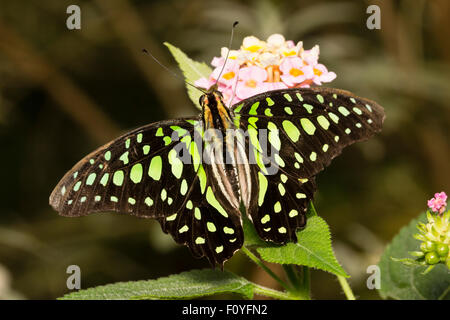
204, 83
438, 203
250, 81
294, 72
217, 61
229, 97
321, 74
311, 56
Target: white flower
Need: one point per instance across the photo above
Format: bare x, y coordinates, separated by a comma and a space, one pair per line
275, 41
311, 57
253, 44
268, 59
291, 50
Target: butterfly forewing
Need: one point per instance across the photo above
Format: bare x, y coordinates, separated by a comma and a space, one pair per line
154, 172
305, 129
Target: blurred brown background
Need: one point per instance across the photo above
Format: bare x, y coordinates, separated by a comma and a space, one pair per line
63, 93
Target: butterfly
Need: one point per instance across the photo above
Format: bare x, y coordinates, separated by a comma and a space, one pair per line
196, 178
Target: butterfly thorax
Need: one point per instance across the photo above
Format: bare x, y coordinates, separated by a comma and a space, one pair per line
214, 113
226, 152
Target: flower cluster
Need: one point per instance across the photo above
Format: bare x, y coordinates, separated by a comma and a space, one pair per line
438, 203
260, 66
435, 234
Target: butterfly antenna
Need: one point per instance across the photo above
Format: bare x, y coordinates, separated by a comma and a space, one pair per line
176, 75
228, 52
234, 90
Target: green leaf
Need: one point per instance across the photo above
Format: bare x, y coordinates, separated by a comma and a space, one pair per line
313, 248
186, 285
192, 71
399, 281
251, 237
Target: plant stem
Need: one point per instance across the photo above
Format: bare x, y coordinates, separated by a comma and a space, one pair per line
292, 276
256, 260
264, 291
306, 282
312, 209
346, 287
342, 280
442, 296
300, 283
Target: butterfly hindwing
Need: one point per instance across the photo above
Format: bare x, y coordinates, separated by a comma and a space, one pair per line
305, 129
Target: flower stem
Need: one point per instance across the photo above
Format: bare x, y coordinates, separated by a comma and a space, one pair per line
346, 287
256, 260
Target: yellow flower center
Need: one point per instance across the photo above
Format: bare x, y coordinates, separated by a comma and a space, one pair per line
317, 72
296, 72
251, 83
253, 48
290, 53
228, 75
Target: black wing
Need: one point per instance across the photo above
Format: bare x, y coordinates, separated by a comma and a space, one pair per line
306, 129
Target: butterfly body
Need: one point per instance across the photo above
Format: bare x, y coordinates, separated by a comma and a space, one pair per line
195, 174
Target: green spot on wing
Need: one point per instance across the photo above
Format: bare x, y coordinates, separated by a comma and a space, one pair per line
197, 214
136, 173
148, 201
263, 183
118, 178
291, 130
77, 186
324, 123
211, 227
333, 117
210, 197
308, 107
288, 97
320, 98
167, 140
104, 179
288, 110
202, 178
344, 111
238, 108
308, 126
124, 157
184, 187
253, 109
176, 164
155, 168
90, 179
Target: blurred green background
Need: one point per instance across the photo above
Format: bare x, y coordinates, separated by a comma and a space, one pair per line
63, 93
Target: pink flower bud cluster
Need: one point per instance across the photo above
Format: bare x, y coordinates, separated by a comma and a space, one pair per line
438, 204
